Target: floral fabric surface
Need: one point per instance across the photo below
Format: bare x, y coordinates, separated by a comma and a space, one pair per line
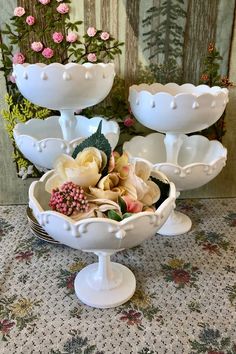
185, 301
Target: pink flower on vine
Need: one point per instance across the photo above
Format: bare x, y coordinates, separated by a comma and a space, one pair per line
19, 11
92, 57
44, 2
91, 31
18, 58
105, 36
133, 206
37, 46
129, 122
47, 53
71, 37
57, 37
63, 8
30, 20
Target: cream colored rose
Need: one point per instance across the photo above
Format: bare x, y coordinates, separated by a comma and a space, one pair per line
108, 187
83, 171
138, 186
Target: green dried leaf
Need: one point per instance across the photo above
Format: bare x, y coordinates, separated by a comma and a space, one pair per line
97, 140
122, 205
114, 215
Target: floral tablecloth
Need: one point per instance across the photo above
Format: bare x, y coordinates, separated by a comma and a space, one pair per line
185, 301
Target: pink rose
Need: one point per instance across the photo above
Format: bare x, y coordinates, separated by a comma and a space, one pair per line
44, 2
12, 79
57, 37
18, 58
71, 37
19, 11
133, 206
37, 46
47, 53
59, 0
128, 122
30, 20
63, 8
91, 31
92, 57
105, 36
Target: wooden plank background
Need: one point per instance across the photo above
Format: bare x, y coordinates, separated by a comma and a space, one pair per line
206, 20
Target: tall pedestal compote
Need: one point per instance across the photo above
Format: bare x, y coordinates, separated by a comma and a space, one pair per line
104, 284
174, 110
67, 88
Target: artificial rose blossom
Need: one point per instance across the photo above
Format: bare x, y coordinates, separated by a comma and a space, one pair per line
105, 36
36, 46
47, 53
128, 122
133, 206
44, 2
84, 170
91, 31
92, 57
30, 20
57, 37
71, 37
18, 58
19, 11
63, 8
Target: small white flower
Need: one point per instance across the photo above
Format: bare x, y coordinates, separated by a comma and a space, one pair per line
23, 172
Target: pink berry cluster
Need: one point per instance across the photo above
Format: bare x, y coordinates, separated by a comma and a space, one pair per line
68, 199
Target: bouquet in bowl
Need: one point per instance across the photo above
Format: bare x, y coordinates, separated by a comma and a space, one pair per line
96, 182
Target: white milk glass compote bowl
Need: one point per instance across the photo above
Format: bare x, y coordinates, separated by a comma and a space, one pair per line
174, 110
67, 88
104, 284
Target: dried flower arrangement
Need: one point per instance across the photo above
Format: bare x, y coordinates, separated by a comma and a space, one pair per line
96, 182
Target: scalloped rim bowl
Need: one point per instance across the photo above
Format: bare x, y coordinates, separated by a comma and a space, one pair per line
69, 86
177, 108
95, 234
200, 160
41, 141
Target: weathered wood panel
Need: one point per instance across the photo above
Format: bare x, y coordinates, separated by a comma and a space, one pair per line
199, 31
89, 13
131, 45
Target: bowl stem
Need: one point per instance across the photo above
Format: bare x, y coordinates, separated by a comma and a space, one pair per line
173, 143
67, 123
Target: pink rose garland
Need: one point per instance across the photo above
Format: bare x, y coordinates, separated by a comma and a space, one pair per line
18, 58
44, 2
57, 37
91, 31
47, 53
36, 46
105, 36
19, 11
71, 37
63, 8
92, 57
30, 20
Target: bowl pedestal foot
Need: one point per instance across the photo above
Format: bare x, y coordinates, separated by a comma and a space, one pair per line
176, 224
104, 284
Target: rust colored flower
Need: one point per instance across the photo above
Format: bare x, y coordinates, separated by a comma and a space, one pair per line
204, 77
6, 326
24, 256
211, 47
70, 281
132, 317
180, 276
210, 248
215, 352
225, 82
